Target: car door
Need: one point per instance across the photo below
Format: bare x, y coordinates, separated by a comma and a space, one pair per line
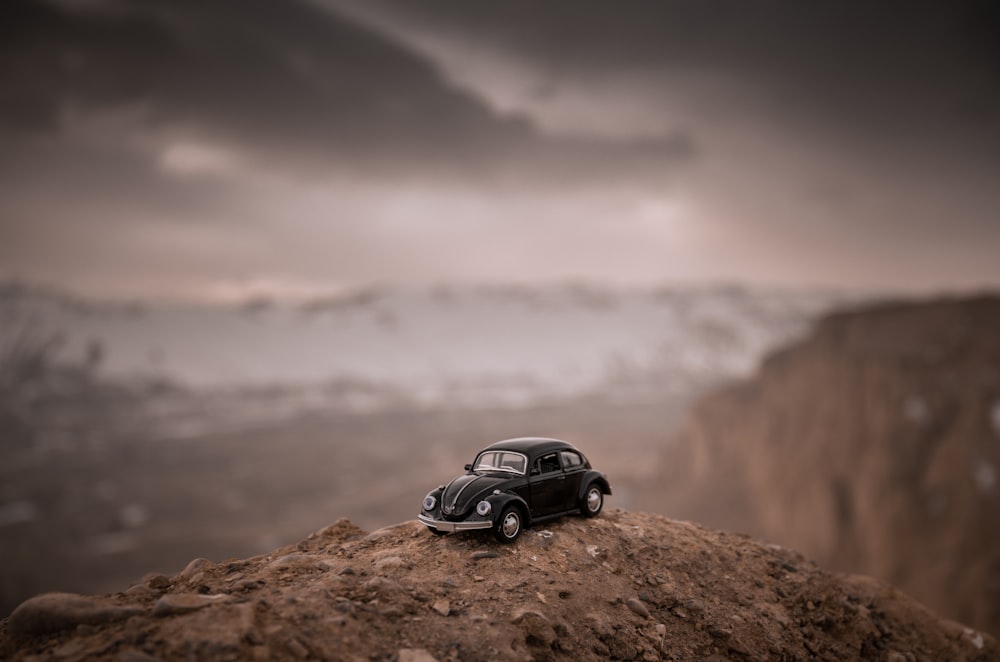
573, 469
548, 486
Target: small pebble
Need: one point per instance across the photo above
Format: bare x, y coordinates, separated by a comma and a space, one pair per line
485, 554
181, 603
638, 607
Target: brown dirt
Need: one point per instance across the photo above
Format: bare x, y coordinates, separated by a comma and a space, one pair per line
621, 586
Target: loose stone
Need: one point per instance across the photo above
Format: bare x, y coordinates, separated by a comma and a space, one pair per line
55, 612
181, 603
194, 567
638, 607
485, 554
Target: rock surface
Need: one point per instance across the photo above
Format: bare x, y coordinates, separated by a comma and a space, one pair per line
625, 586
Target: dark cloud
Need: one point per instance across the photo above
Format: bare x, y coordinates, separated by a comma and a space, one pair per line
168, 145
878, 67
920, 42
280, 79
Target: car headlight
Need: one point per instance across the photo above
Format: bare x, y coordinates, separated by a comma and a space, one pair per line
430, 502
483, 508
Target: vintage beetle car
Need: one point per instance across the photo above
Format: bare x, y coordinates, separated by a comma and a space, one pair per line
513, 484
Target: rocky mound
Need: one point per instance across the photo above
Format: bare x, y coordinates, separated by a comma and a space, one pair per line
873, 446
622, 586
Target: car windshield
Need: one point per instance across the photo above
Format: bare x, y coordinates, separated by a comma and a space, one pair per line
508, 461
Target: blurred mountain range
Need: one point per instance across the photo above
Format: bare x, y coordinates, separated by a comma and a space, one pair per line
389, 349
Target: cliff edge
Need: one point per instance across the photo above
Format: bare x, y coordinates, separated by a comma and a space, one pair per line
872, 446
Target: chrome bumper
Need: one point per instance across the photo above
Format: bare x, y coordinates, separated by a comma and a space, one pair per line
451, 527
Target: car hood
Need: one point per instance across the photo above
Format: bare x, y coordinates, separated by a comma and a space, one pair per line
465, 491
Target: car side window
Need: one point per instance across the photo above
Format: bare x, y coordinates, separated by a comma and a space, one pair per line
547, 464
571, 460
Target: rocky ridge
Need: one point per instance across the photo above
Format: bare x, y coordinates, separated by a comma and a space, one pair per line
625, 586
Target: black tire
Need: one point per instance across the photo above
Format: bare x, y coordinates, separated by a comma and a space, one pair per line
437, 532
509, 526
592, 501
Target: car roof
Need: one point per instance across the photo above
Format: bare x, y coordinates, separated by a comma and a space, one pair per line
531, 446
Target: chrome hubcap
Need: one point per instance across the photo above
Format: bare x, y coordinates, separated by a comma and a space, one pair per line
594, 499
511, 523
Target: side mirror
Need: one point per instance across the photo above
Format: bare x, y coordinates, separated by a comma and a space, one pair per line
468, 467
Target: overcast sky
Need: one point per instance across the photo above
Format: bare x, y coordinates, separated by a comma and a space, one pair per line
214, 150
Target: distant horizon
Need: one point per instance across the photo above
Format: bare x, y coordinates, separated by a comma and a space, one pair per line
254, 295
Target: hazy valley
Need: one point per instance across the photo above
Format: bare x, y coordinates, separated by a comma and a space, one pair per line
136, 438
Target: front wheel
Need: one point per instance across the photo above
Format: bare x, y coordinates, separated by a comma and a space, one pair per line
437, 532
592, 502
508, 527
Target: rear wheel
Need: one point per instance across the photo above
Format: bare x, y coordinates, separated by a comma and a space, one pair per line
593, 501
509, 526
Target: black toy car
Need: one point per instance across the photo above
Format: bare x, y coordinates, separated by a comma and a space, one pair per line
513, 484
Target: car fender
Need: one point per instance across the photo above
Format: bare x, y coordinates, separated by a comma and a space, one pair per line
504, 499
594, 477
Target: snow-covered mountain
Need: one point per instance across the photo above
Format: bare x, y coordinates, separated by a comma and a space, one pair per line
473, 346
